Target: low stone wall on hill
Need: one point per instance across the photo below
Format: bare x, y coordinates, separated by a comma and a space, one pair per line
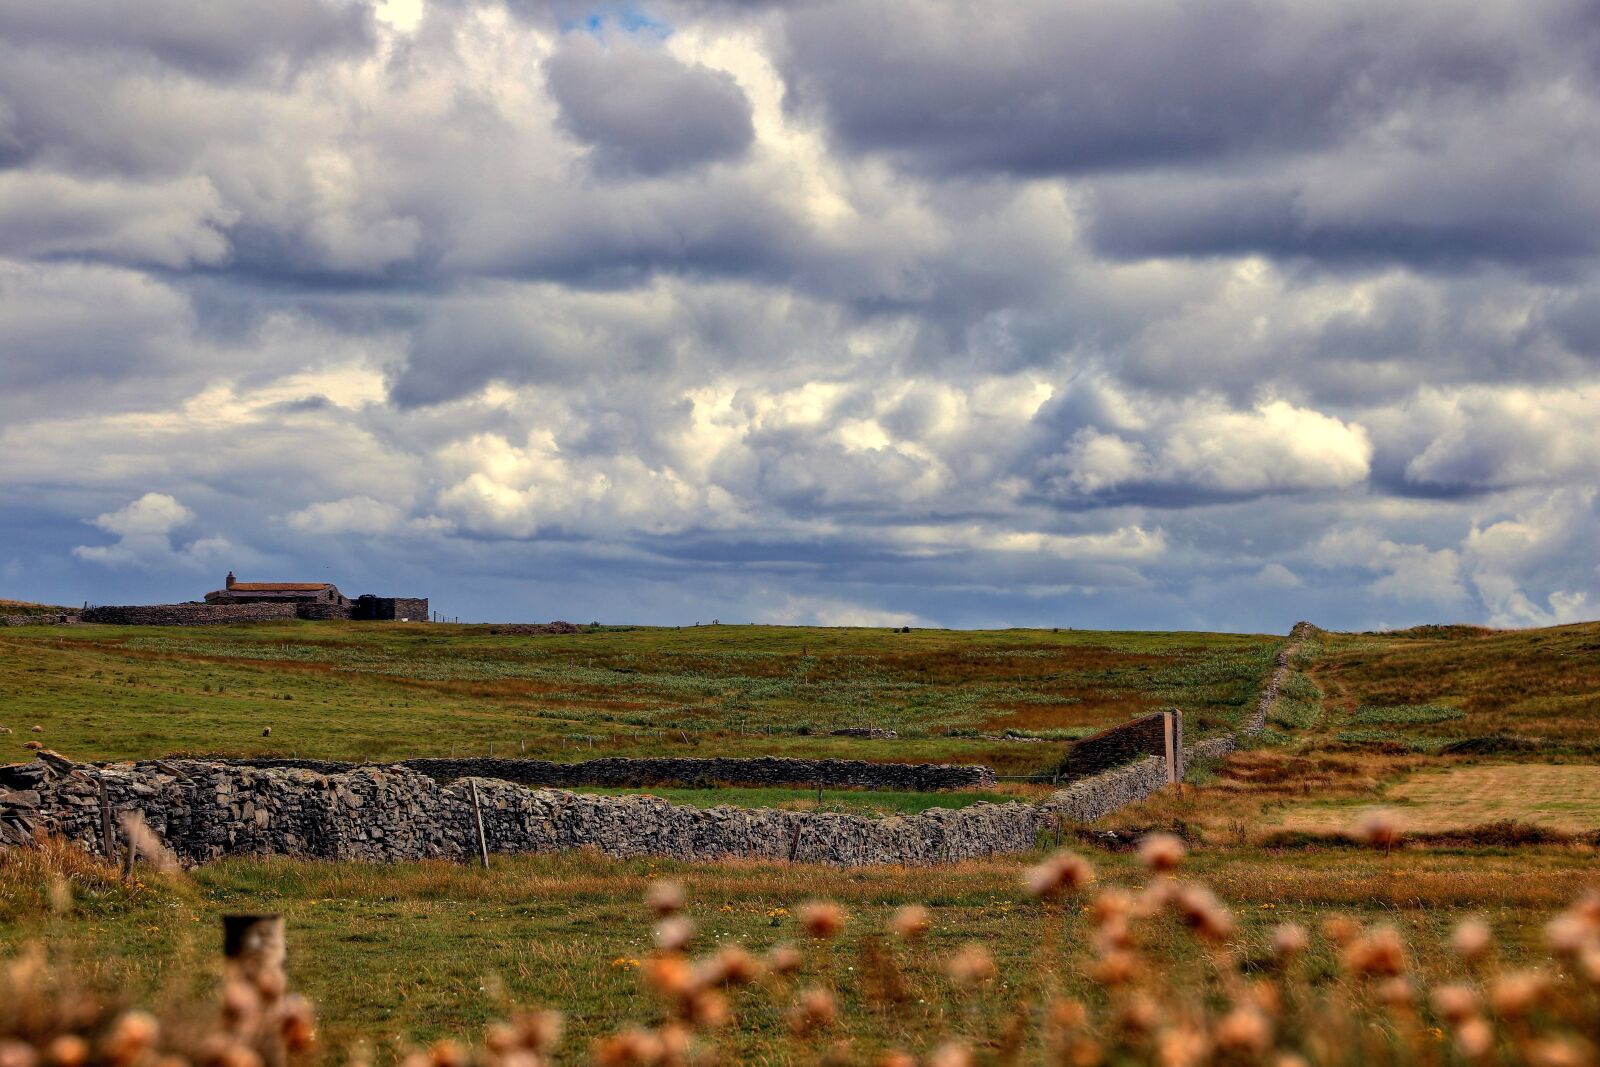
683, 771
198, 614
62, 618
205, 810
1094, 797
187, 614
1144, 736
1218, 747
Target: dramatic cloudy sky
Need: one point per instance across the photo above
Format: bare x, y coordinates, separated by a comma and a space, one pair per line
1145, 313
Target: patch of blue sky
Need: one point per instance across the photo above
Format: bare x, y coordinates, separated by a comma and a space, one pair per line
627, 18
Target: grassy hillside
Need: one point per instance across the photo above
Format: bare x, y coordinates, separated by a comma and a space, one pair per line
1448, 728
1429, 687
28, 607
388, 691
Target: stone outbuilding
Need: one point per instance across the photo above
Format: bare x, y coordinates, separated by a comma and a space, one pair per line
323, 595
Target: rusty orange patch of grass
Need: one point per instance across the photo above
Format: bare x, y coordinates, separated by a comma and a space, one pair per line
1559, 796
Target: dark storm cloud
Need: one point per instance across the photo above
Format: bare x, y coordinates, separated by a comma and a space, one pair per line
88, 113
166, 224
643, 111
586, 237
1574, 317
1339, 133
215, 38
1446, 210
1046, 88
468, 344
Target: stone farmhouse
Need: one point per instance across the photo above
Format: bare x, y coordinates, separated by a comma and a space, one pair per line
321, 600
237, 592
240, 601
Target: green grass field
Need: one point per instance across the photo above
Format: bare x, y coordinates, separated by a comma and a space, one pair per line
428, 950
419, 951
388, 691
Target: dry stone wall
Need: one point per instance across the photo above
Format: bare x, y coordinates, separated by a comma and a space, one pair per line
1144, 736
1218, 747
187, 614
322, 611
414, 609
205, 810
1091, 798
685, 771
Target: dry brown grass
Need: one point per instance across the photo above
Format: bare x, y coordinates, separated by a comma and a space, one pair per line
1243, 796
1562, 797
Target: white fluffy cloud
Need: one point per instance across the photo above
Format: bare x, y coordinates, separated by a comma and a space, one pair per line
1494, 438
694, 309
1276, 446
144, 531
1207, 446
1405, 572
831, 611
1541, 554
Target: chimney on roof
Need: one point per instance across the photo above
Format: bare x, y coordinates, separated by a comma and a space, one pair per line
230, 579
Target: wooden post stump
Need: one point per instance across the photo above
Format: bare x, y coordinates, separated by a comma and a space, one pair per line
1169, 732
477, 819
254, 946
108, 840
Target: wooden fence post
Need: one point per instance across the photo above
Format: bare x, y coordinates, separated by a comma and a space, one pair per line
477, 818
1177, 746
1168, 729
108, 840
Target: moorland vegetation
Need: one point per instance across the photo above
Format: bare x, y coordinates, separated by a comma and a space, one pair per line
431, 952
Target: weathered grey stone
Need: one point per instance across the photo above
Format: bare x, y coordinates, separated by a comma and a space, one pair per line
681, 770
403, 814
193, 614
